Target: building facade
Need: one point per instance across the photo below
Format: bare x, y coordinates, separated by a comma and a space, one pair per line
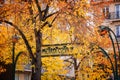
23, 74
111, 13
113, 17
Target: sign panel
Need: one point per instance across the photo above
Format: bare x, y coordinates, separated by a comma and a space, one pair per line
54, 50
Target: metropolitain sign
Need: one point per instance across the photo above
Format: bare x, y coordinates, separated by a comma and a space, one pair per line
57, 49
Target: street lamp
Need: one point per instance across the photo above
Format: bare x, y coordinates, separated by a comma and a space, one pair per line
104, 30
14, 59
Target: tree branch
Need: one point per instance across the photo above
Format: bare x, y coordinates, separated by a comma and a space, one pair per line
45, 12
51, 15
39, 10
80, 62
54, 19
23, 37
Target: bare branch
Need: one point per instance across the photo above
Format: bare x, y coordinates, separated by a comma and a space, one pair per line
39, 10
45, 12
51, 15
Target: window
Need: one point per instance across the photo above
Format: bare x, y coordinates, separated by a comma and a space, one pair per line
116, 1
16, 76
97, 0
24, 0
88, 76
0, 23
26, 77
100, 0
2, 1
118, 31
106, 12
117, 11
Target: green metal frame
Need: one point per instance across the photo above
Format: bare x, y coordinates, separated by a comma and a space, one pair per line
114, 67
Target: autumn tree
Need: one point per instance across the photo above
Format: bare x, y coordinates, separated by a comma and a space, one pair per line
32, 16
40, 22
101, 67
89, 36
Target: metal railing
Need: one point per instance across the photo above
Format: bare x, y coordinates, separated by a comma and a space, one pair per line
116, 0
113, 15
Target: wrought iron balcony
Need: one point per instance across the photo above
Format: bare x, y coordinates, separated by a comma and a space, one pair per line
102, 0
113, 15
99, 2
116, 0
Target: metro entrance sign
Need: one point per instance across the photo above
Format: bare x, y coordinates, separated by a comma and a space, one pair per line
57, 49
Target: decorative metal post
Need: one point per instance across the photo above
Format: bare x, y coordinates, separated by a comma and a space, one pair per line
14, 59
112, 65
103, 31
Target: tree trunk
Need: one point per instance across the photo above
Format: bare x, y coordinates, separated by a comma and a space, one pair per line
37, 73
75, 68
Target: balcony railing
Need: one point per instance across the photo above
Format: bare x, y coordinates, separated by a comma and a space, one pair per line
99, 2
113, 15
116, 0
102, 0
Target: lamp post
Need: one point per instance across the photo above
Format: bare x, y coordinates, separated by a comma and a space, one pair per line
103, 30
14, 59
